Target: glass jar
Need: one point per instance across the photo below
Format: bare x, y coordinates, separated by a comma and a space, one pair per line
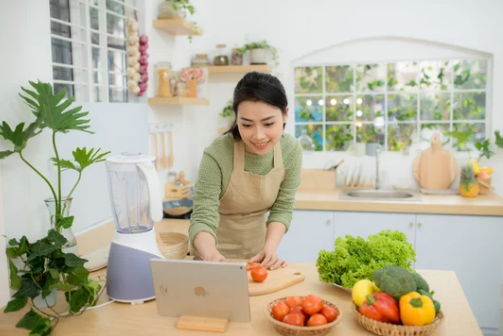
221, 58
305, 141
200, 61
163, 69
236, 57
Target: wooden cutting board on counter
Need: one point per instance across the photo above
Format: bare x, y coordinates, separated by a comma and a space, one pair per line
435, 167
276, 281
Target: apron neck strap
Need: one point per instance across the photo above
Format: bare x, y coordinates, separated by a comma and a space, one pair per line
239, 155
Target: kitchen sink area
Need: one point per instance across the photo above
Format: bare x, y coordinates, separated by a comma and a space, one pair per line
381, 195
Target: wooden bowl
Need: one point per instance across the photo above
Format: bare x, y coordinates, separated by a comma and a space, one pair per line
291, 330
388, 329
173, 245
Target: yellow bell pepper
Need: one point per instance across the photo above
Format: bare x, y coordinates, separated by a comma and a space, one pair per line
416, 309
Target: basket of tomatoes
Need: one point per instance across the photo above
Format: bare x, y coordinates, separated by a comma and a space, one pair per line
302, 315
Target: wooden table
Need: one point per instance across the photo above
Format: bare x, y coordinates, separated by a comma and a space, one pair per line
123, 319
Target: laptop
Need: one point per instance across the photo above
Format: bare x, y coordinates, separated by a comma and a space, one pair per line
201, 288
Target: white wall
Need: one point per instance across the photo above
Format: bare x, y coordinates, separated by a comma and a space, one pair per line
298, 28
4, 284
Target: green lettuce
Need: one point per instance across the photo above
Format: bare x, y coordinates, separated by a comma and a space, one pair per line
355, 258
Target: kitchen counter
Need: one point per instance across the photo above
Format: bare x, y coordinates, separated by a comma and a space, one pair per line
483, 205
123, 319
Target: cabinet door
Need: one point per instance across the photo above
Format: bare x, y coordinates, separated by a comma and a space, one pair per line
364, 224
471, 247
309, 232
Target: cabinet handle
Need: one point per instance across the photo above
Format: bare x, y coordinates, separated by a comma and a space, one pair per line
420, 224
411, 224
329, 221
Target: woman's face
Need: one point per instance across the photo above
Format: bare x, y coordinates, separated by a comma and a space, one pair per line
260, 126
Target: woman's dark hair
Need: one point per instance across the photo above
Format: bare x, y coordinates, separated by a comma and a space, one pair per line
256, 86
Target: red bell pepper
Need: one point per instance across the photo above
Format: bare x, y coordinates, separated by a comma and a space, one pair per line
381, 307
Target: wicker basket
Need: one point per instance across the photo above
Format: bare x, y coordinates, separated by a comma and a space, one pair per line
173, 245
388, 329
291, 330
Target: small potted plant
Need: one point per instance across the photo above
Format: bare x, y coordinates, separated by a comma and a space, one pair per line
175, 9
258, 52
237, 56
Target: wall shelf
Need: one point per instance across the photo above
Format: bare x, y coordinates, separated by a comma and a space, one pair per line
177, 27
156, 101
238, 68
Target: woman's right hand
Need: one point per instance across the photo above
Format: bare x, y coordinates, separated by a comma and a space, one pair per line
214, 256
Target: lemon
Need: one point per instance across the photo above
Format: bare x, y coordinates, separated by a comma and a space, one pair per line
361, 289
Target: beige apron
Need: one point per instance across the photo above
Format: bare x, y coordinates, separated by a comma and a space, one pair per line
243, 208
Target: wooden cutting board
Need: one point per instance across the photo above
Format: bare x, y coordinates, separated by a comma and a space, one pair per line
435, 167
276, 280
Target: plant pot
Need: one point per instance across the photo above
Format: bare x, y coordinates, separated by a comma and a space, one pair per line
192, 87
71, 244
166, 11
258, 56
49, 301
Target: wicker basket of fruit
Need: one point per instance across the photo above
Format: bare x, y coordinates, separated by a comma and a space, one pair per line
396, 303
302, 315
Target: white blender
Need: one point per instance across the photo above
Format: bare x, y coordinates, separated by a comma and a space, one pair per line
136, 203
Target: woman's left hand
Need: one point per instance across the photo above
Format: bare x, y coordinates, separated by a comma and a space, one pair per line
268, 259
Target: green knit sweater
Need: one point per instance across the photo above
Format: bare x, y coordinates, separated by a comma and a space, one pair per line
215, 173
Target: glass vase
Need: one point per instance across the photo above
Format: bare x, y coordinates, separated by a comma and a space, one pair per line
71, 244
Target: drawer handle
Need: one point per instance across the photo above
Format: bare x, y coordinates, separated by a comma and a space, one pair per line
420, 224
411, 224
329, 221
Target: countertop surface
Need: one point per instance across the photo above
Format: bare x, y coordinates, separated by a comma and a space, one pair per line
483, 205
123, 319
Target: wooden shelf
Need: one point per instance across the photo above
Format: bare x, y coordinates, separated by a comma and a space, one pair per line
177, 27
177, 101
238, 68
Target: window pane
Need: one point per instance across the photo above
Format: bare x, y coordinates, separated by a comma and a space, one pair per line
370, 108
117, 80
339, 108
403, 76
68, 74
338, 137
116, 26
435, 75
96, 63
61, 51
400, 136
94, 2
367, 133
371, 77
60, 9
98, 93
402, 107
117, 61
308, 80
308, 109
116, 95
427, 130
469, 106
60, 29
315, 132
470, 74
116, 43
95, 38
471, 133
115, 7
435, 106
97, 77
339, 78
95, 18
69, 89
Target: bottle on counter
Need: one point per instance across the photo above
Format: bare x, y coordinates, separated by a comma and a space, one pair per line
221, 58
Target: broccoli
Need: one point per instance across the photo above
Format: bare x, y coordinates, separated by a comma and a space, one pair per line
421, 283
395, 281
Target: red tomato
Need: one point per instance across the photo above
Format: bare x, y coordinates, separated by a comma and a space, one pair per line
294, 319
329, 312
280, 310
312, 304
259, 273
298, 310
293, 301
316, 320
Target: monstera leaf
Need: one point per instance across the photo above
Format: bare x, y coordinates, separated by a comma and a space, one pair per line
54, 109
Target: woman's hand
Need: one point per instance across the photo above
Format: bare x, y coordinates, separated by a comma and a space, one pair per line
214, 256
269, 259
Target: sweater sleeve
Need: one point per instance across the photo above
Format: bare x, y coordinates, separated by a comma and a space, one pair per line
208, 187
282, 208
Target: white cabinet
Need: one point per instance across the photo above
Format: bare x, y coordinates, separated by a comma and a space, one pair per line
471, 247
309, 232
364, 224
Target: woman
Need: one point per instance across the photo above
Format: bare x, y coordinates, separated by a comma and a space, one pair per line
248, 179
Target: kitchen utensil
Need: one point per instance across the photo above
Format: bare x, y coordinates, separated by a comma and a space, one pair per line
276, 280
136, 204
337, 165
435, 167
171, 157
318, 179
177, 207
164, 156
156, 151
388, 329
289, 330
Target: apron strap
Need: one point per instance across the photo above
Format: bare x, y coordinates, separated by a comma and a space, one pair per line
239, 156
278, 156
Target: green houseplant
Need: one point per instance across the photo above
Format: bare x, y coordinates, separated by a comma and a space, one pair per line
258, 52
175, 9
228, 113
45, 265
